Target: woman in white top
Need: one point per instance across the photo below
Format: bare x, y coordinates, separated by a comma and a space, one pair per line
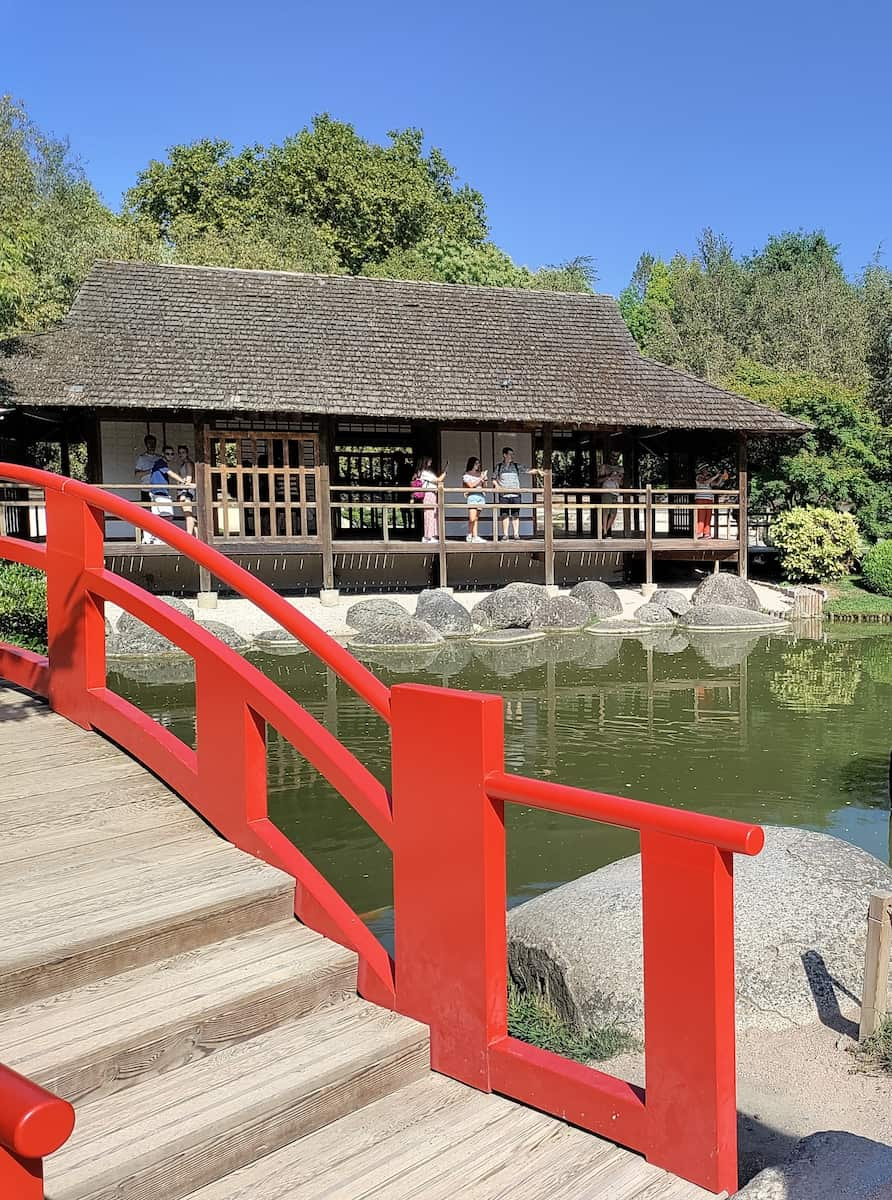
474, 481
610, 477
430, 482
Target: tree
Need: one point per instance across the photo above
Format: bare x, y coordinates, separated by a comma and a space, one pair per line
53, 226
336, 200
846, 459
482, 264
876, 290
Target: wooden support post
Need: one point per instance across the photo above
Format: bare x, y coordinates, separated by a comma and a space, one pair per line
688, 926
324, 525
75, 617
441, 532
648, 535
451, 954
875, 1002
203, 510
548, 505
743, 534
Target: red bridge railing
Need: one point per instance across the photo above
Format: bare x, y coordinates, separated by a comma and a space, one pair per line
33, 1123
444, 823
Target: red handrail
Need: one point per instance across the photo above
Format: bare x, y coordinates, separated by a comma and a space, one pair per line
344, 664
33, 1124
444, 823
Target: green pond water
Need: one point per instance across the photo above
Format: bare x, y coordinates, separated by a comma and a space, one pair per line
784, 730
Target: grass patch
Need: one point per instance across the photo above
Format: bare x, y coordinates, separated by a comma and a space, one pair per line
876, 1051
848, 597
532, 1019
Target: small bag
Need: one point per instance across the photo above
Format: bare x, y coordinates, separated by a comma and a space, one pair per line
417, 484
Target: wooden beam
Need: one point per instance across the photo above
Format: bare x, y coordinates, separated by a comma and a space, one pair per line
548, 505
203, 506
324, 510
648, 535
743, 513
875, 1002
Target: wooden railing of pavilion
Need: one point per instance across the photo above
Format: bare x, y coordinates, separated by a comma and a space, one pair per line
255, 508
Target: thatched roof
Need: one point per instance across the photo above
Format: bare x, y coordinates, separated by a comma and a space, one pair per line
208, 338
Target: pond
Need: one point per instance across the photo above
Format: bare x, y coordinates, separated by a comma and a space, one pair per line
785, 730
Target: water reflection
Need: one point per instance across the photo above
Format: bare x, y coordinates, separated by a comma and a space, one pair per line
786, 729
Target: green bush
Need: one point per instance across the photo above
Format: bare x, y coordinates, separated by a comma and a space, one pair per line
815, 543
876, 570
23, 606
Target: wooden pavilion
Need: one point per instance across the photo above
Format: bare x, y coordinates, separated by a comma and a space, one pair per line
305, 400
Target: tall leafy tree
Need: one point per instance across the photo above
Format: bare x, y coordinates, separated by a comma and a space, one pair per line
53, 225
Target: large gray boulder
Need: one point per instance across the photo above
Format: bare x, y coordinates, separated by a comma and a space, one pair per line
510, 607
800, 917
727, 616
443, 612
601, 599
369, 612
653, 614
397, 632
832, 1165
723, 588
132, 637
226, 634
677, 602
561, 613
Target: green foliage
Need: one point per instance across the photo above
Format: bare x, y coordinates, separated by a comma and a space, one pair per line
849, 599
876, 569
788, 305
845, 460
23, 606
813, 677
482, 264
531, 1019
815, 543
876, 1051
53, 226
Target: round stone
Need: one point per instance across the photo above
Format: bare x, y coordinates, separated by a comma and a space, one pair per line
561, 613
653, 614
368, 612
677, 603
724, 588
444, 613
599, 597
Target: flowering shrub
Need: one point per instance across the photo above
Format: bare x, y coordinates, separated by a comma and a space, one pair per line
815, 543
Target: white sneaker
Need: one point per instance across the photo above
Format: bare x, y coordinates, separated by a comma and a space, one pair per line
478, 539
470, 539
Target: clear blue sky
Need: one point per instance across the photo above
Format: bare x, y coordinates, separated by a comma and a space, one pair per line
591, 128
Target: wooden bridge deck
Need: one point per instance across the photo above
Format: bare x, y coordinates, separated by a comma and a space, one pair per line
212, 1046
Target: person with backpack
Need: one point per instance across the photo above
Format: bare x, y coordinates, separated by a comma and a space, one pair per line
507, 481
426, 485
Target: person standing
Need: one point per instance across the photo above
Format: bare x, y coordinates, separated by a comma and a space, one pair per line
507, 482
142, 467
703, 498
430, 483
611, 477
159, 491
186, 494
474, 481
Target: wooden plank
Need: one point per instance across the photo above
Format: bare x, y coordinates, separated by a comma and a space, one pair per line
98, 1039
875, 1002
648, 535
185, 1128
124, 915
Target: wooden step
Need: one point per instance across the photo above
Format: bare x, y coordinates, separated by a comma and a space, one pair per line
122, 909
437, 1139
109, 1035
178, 1131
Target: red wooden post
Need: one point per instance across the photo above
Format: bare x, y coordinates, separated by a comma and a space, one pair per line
75, 618
449, 874
231, 748
688, 917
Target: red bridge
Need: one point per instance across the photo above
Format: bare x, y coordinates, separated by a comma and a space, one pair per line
448, 973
